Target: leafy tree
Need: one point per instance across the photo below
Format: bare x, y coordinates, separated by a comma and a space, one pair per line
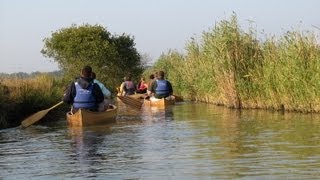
110, 56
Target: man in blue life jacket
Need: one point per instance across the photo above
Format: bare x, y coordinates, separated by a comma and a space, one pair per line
161, 88
84, 93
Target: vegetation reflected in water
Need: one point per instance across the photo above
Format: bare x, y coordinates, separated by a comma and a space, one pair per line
185, 140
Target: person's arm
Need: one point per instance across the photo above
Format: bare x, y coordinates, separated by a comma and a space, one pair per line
97, 93
122, 91
134, 86
170, 88
149, 85
104, 90
149, 88
69, 94
152, 88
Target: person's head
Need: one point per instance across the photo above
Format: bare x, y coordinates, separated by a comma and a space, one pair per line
93, 75
160, 75
127, 78
156, 75
86, 71
151, 76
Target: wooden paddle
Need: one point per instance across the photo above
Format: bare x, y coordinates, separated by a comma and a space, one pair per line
37, 116
178, 98
132, 102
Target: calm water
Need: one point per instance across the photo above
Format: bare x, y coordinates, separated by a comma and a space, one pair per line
193, 141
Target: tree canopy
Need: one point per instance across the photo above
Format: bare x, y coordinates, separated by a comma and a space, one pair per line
110, 56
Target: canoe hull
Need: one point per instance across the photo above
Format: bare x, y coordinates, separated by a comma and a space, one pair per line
84, 117
132, 102
159, 103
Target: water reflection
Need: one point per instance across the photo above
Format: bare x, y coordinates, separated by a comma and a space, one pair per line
86, 143
154, 114
195, 141
248, 142
126, 113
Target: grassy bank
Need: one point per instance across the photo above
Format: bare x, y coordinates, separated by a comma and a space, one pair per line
21, 97
232, 67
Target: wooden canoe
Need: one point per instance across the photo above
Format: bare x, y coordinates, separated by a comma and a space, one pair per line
85, 117
159, 103
138, 96
131, 100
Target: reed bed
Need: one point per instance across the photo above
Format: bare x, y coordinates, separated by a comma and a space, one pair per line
232, 67
22, 97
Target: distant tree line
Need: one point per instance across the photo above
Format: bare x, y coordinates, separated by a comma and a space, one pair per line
23, 75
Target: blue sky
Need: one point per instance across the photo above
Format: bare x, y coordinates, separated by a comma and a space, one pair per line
157, 26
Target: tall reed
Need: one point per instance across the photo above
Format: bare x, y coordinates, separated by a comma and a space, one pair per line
22, 97
231, 67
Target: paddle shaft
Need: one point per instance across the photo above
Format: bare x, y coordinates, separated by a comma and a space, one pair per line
55, 105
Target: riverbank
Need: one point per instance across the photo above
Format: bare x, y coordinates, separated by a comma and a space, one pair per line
21, 97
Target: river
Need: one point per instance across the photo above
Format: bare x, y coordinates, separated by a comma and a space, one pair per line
187, 140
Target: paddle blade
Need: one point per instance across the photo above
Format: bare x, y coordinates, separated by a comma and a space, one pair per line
33, 118
37, 116
134, 103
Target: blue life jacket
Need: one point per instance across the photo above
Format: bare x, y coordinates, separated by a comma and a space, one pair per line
84, 98
162, 88
129, 87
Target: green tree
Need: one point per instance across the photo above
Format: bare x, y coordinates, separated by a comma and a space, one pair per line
111, 56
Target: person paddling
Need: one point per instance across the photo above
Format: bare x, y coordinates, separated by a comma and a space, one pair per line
161, 88
127, 87
83, 92
142, 86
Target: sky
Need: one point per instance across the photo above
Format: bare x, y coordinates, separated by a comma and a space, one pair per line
156, 25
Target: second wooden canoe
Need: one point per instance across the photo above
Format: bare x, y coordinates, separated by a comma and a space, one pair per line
160, 103
132, 102
85, 117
